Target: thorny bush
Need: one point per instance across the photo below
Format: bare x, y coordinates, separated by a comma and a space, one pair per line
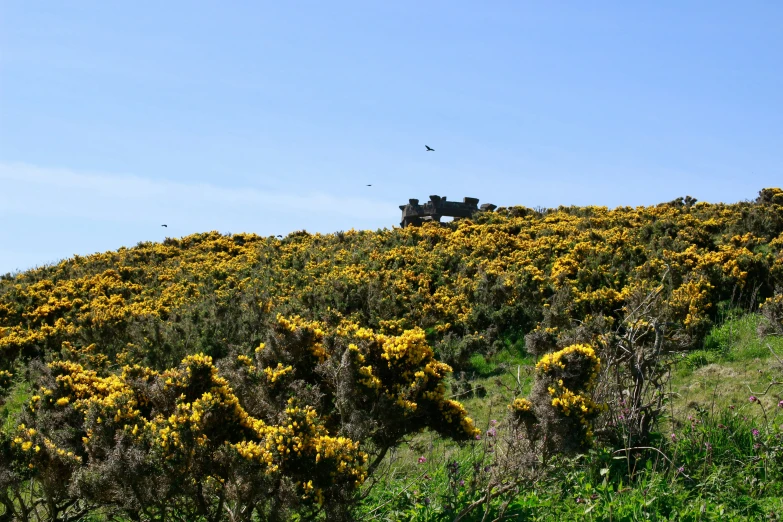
280, 431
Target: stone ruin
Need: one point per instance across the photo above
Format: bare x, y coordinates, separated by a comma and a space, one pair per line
415, 214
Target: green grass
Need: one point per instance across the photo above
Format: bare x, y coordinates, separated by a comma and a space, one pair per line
718, 469
480, 366
17, 397
737, 339
735, 364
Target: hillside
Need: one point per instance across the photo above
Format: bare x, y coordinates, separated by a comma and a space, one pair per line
399, 308
473, 282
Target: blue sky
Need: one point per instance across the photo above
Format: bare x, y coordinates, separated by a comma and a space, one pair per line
269, 117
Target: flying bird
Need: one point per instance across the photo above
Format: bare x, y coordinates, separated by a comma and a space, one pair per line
369, 185
165, 226
279, 235
429, 149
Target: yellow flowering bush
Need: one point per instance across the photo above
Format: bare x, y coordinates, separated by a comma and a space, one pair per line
487, 276
181, 360
772, 310
394, 380
5, 379
560, 411
575, 367
522, 414
307, 408
180, 428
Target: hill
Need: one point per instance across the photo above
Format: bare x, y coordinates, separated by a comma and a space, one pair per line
478, 281
270, 325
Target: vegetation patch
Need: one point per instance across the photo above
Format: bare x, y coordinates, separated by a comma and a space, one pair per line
572, 363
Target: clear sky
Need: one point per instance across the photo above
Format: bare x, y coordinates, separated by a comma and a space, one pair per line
269, 117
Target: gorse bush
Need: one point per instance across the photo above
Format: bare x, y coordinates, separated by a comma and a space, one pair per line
560, 410
5, 381
268, 434
772, 311
489, 277
242, 377
140, 440
393, 378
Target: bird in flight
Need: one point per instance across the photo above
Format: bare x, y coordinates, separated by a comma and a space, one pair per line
165, 226
429, 149
279, 235
369, 185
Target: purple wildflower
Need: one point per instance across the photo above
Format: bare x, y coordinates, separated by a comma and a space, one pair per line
752, 398
422, 460
755, 432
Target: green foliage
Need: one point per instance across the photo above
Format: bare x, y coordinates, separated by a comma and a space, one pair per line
17, 396
708, 464
639, 285
737, 338
713, 467
481, 366
698, 358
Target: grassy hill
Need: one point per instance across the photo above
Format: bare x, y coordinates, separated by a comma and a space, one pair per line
326, 329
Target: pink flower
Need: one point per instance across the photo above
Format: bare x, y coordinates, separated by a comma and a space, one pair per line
755, 432
422, 460
752, 398
780, 404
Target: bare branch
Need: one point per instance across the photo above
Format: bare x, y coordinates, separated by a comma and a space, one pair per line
486, 498
761, 394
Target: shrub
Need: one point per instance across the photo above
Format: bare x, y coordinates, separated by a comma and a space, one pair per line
560, 410
772, 312
279, 433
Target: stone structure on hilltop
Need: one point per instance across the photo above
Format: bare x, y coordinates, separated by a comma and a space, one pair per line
415, 214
